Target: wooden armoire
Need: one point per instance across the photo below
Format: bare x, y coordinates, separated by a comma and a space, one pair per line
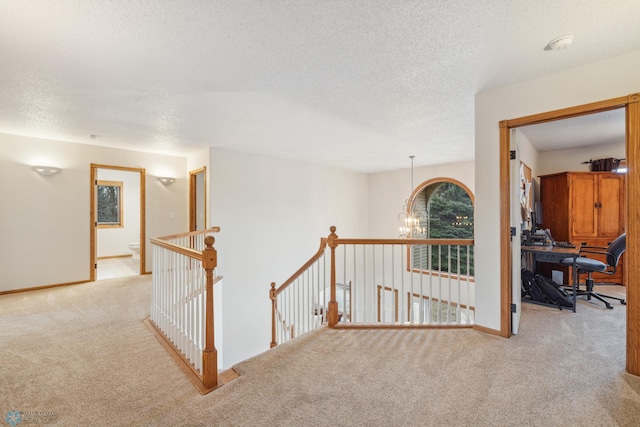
585, 208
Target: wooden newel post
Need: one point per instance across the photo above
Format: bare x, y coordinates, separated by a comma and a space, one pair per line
210, 354
333, 304
274, 307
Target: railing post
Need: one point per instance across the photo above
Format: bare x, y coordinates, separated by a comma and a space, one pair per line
210, 354
274, 307
333, 304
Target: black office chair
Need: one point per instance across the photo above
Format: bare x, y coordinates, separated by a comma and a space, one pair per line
587, 265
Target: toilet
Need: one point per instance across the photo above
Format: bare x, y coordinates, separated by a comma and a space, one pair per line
135, 249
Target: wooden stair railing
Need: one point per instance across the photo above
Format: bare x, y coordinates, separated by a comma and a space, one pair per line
384, 283
182, 309
278, 323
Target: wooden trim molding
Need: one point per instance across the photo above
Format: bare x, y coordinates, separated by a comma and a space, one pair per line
505, 244
411, 297
372, 326
487, 330
442, 180
193, 176
632, 256
323, 245
445, 275
191, 253
38, 288
631, 103
184, 364
120, 222
190, 233
395, 302
114, 256
567, 113
93, 216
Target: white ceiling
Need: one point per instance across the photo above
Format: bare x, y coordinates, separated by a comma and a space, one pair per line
585, 131
355, 84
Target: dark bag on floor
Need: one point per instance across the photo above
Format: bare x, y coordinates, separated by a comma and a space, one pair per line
530, 287
553, 291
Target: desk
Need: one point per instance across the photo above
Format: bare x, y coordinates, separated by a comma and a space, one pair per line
555, 254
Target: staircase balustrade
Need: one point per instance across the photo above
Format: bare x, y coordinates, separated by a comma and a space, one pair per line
182, 301
377, 283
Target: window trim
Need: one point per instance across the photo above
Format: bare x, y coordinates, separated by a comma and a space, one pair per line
120, 185
412, 198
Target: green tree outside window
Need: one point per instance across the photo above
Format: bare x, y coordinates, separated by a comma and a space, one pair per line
447, 213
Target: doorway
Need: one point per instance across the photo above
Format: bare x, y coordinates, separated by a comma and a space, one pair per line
631, 104
116, 222
198, 199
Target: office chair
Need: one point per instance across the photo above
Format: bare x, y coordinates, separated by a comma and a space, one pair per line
587, 265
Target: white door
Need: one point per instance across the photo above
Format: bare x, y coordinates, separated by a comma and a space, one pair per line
516, 223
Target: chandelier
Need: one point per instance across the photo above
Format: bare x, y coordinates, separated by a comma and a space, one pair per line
410, 218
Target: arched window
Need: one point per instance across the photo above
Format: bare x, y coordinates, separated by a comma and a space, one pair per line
445, 209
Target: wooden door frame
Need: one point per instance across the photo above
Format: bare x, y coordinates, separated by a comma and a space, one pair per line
631, 104
93, 216
193, 197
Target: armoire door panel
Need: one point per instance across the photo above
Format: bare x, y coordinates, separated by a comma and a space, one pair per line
610, 202
584, 221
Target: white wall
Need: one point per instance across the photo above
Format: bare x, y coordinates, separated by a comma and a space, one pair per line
272, 214
114, 241
563, 160
44, 229
529, 156
572, 159
590, 83
389, 190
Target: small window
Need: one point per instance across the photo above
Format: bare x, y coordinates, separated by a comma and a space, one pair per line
109, 204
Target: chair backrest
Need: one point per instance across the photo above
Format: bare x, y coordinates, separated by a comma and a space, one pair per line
616, 249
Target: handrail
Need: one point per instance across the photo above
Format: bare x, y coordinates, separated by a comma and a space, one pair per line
314, 258
340, 240
182, 303
432, 286
191, 253
324, 241
190, 233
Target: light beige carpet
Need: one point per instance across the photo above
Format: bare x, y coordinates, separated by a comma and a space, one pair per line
80, 355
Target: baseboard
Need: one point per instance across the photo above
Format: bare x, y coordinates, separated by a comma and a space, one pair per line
38, 288
115, 256
487, 330
186, 367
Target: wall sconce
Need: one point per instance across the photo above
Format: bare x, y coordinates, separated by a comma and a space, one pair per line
46, 170
166, 180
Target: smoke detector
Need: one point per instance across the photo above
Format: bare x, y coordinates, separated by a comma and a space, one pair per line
560, 43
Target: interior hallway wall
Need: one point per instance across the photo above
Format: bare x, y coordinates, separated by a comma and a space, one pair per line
272, 213
573, 159
45, 219
598, 81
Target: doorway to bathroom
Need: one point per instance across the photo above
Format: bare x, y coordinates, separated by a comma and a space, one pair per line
117, 222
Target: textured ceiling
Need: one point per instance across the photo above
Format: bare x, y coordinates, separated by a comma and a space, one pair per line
355, 84
584, 131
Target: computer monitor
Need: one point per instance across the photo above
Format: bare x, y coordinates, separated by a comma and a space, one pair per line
537, 215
